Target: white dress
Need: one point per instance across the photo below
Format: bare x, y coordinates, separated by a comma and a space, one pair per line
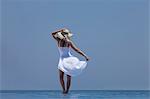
70, 64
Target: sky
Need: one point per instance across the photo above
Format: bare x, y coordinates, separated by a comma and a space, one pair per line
113, 33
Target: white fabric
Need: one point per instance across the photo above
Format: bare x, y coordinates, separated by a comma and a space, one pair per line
69, 64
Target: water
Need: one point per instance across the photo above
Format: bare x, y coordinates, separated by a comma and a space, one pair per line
76, 94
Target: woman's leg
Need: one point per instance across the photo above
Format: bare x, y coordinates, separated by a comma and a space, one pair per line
61, 76
68, 83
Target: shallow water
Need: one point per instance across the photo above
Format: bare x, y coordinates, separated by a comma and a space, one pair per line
76, 94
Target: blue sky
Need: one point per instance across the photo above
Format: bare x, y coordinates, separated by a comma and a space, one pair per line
113, 33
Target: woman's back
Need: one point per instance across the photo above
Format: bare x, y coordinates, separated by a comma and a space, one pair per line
64, 52
64, 48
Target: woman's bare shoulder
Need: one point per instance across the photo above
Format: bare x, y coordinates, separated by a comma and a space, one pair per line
71, 43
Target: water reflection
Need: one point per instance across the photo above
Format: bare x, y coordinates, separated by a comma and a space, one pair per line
68, 96
76, 95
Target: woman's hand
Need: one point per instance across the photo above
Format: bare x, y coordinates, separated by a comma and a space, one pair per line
87, 58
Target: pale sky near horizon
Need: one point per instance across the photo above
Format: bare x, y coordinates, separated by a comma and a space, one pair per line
114, 33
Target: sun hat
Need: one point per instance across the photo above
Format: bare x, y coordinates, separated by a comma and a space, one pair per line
68, 32
59, 35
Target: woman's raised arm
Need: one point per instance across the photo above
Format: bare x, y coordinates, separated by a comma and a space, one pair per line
73, 46
54, 34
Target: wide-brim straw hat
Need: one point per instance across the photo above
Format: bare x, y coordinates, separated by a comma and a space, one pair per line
67, 31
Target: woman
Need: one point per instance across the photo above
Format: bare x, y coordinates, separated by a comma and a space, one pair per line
68, 64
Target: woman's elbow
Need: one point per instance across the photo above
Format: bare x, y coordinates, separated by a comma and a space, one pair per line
52, 33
